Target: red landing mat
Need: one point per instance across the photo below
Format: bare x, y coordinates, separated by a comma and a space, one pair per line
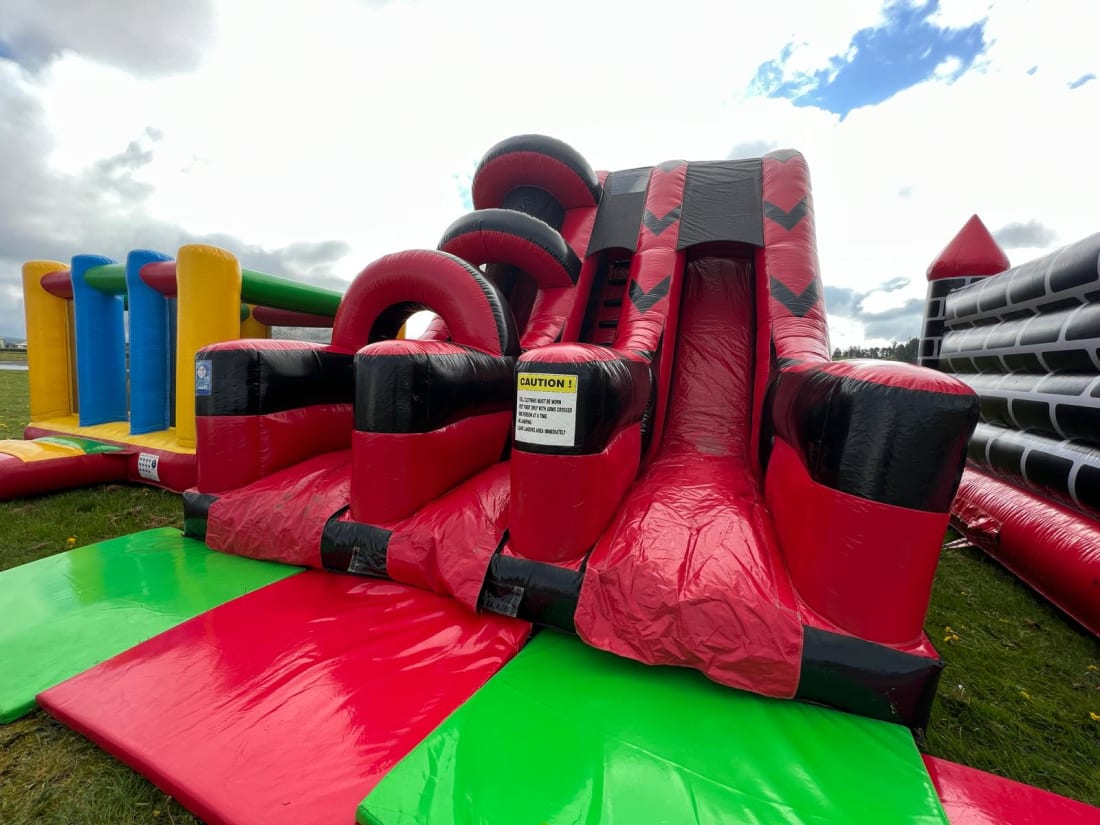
289, 704
972, 797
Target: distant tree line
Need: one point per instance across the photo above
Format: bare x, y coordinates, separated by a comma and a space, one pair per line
897, 351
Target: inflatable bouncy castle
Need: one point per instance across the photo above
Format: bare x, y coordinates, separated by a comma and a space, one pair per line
111, 355
1027, 341
625, 426
509, 570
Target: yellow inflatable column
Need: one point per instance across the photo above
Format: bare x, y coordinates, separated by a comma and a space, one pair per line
251, 328
49, 344
208, 283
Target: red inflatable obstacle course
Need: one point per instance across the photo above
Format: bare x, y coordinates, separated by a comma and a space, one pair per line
1027, 341
623, 424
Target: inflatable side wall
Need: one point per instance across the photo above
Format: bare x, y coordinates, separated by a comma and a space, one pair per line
1027, 340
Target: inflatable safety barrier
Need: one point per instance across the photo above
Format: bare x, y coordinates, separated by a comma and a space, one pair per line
111, 355
1027, 341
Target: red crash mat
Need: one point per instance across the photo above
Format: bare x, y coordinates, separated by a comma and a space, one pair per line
973, 797
289, 704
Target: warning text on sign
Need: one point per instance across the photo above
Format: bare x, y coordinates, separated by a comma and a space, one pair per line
546, 409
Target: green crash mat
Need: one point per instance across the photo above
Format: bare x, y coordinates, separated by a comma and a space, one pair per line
568, 734
65, 613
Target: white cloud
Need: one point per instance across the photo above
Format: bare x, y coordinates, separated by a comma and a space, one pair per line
358, 122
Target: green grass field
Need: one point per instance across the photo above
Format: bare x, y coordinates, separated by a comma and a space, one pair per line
13, 356
1017, 697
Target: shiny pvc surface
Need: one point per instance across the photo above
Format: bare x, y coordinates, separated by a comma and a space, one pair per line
534, 161
865, 566
787, 266
688, 571
888, 432
287, 706
474, 310
1054, 549
567, 734
29, 469
972, 251
65, 613
281, 516
973, 797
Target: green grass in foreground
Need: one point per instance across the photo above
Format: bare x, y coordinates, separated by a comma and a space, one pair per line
1015, 697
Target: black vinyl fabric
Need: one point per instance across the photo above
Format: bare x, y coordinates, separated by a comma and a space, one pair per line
538, 203
196, 512
351, 547
868, 679
610, 396
893, 445
421, 392
261, 381
534, 591
722, 203
619, 218
524, 229
1043, 283
1062, 469
551, 148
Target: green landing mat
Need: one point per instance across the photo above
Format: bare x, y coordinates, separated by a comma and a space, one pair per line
566, 734
61, 615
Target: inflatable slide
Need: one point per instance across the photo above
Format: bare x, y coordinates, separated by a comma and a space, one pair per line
616, 477
1027, 340
111, 355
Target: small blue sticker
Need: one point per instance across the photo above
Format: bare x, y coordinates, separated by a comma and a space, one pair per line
202, 377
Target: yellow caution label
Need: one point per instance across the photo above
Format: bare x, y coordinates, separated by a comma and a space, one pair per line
547, 382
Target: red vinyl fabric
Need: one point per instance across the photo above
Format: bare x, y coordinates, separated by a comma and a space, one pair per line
235, 450
175, 471
281, 516
973, 797
688, 572
398, 473
788, 265
433, 279
1054, 549
597, 479
973, 251
286, 706
446, 545
19, 479
832, 545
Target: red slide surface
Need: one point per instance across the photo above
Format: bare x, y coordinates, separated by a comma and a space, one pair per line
687, 572
288, 705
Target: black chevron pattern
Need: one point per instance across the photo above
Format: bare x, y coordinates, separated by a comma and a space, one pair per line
643, 300
658, 225
788, 220
799, 305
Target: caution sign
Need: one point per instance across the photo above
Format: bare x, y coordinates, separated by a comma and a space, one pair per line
546, 409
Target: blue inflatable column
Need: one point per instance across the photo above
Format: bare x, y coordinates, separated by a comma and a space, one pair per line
100, 347
150, 348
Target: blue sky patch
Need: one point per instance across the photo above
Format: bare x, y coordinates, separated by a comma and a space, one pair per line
1082, 80
879, 63
6, 52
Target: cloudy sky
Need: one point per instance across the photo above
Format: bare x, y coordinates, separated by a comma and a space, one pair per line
310, 138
